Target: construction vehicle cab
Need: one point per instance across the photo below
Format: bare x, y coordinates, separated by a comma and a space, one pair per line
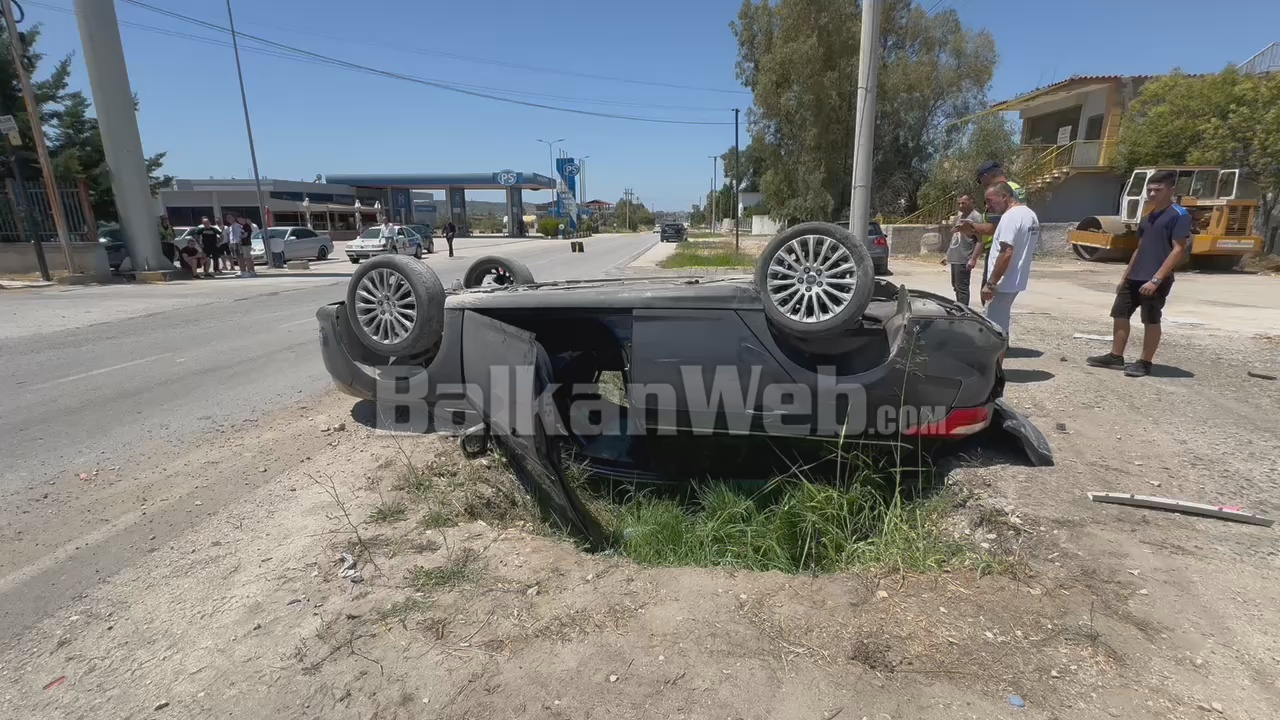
1222, 207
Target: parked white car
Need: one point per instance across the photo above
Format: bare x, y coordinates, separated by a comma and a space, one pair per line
371, 244
300, 243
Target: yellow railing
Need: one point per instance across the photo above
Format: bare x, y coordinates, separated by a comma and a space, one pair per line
933, 213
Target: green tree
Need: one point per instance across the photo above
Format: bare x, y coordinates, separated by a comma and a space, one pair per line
1230, 119
753, 166
800, 60
631, 214
75, 144
986, 138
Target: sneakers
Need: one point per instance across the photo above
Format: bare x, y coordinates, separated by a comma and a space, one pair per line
1106, 360
1137, 368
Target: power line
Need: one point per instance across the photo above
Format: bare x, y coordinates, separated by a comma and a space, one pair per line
268, 50
409, 78
517, 66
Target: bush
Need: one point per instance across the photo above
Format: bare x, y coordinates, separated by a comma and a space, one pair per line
585, 226
549, 227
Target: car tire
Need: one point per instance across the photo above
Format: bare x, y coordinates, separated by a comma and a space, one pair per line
882, 269
354, 261
516, 272
431, 247
322, 253
810, 252
385, 279
417, 252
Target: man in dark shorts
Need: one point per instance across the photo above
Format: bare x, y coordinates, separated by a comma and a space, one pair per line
193, 257
1163, 236
211, 243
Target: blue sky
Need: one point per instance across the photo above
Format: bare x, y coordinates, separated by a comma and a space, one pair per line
311, 119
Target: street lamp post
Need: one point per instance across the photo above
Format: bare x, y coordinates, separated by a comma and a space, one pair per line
582, 178
552, 158
715, 160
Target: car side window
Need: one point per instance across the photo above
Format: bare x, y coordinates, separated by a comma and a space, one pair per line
303, 233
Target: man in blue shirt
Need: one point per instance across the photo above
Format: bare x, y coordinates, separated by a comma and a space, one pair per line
1163, 236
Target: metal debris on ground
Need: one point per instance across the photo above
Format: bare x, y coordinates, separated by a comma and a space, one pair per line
1083, 336
1261, 376
1223, 512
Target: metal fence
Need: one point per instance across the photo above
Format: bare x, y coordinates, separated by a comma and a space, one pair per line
81, 225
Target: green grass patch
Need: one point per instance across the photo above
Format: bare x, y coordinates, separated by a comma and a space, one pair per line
460, 569
707, 254
847, 510
389, 511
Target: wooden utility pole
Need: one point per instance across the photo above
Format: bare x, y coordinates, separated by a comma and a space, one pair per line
37, 137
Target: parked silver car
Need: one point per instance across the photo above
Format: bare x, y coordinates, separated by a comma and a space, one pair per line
300, 243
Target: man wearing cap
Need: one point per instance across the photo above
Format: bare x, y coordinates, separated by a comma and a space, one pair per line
989, 174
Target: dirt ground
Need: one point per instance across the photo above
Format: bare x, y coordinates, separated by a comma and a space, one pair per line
1120, 612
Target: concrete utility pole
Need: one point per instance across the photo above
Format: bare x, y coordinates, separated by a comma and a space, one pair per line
865, 120
37, 137
715, 159
118, 123
737, 182
263, 222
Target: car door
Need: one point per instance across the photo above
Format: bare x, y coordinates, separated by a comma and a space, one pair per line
306, 243
404, 242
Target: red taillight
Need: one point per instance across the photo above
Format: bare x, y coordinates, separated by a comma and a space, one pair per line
957, 423
880, 241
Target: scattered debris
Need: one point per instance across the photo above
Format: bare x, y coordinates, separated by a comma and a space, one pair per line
349, 570
56, 682
1017, 701
531, 591
1217, 707
883, 595
262, 469
326, 429
1154, 483
340, 427
1143, 591
1063, 359
1223, 512
613, 678
1184, 321
199, 503
161, 705
1261, 376
1061, 427
1055, 674
1100, 338
84, 476
293, 601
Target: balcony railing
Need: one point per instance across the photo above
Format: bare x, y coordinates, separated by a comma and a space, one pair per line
1036, 160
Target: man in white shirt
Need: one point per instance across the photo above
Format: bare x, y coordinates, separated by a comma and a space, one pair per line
388, 235
1012, 250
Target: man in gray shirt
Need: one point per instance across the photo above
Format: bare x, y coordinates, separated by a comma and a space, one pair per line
962, 255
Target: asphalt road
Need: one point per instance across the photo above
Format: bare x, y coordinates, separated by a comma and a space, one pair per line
130, 380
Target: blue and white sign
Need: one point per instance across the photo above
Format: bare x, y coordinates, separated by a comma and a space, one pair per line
570, 169
507, 178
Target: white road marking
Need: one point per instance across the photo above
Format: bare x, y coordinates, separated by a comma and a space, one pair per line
298, 322
98, 371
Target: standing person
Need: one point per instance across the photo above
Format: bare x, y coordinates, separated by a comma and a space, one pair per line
963, 253
450, 230
989, 174
245, 248
387, 232
1012, 250
211, 242
230, 240
1163, 236
167, 237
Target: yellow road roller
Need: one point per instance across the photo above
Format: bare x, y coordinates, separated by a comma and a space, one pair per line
1222, 207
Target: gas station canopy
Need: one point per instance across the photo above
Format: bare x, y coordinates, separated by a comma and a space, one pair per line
501, 180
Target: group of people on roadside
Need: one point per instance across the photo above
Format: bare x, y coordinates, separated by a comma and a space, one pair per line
211, 249
1006, 236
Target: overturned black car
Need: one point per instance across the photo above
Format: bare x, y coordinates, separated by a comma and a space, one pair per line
812, 346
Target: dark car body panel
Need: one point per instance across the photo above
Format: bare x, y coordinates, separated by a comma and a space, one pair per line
673, 232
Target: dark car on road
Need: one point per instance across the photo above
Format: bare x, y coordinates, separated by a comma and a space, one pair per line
673, 232
878, 248
812, 346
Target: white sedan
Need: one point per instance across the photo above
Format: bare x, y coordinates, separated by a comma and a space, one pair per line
300, 243
371, 243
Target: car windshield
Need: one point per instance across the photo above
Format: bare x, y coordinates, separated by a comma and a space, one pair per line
372, 233
275, 233
672, 226
876, 229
